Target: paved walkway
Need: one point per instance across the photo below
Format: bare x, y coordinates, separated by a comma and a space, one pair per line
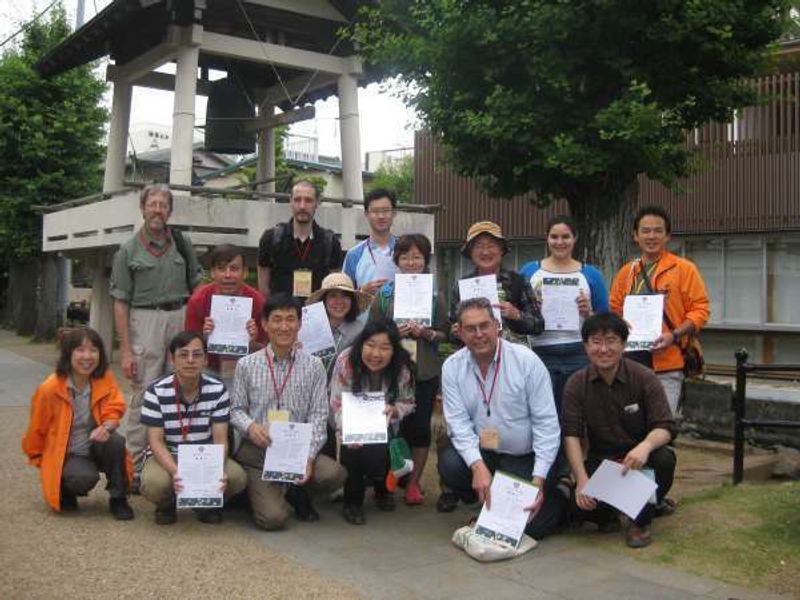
405, 555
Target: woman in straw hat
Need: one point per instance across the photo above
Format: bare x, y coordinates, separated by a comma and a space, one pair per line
412, 254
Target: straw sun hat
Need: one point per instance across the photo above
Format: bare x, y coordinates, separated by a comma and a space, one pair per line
340, 281
479, 228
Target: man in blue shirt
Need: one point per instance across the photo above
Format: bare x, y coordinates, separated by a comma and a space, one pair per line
500, 413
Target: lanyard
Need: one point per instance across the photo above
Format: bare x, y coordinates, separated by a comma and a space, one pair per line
306, 249
487, 400
649, 270
369, 247
278, 390
189, 415
148, 247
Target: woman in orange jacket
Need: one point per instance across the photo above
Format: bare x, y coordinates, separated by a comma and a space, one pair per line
72, 435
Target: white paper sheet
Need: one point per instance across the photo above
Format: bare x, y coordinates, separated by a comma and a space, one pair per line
315, 331
230, 315
413, 298
363, 420
287, 456
484, 286
200, 467
644, 314
559, 307
505, 522
628, 493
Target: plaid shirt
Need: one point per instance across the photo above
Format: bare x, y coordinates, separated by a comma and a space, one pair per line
304, 394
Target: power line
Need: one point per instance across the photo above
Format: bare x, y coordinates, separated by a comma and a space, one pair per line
28, 24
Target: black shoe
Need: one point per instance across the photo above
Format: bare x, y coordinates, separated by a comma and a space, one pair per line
384, 501
299, 499
166, 516
447, 502
212, 516
69, 502
665, 508
353, 514
120, 508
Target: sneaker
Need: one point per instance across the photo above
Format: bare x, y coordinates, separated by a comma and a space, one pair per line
353, 514
166, 516
298, 498
638, 537
69, 502
447, 502
413, 495
211, 516
384, 501
120, 508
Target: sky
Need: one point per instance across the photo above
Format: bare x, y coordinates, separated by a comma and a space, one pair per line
386, 123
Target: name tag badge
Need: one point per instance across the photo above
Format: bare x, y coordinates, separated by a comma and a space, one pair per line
301, 283
411, 347
227, 368
631, 409
275, 416
490, 438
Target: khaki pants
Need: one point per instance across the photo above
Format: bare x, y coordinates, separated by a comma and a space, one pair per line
270, 508
672, 382
157, 487
150, 334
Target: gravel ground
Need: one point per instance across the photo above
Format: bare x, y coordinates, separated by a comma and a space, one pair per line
90, 555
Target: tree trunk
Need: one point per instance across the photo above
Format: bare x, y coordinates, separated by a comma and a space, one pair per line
47, 317
605, 228
23, 280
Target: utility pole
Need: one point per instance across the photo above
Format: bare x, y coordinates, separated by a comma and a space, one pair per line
80, 13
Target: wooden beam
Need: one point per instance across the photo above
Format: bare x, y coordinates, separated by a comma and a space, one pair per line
159, 81
276, 95
263, 52
311, 8
287, 118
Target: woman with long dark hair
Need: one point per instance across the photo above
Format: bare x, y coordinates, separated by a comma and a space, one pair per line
72, 435
376, 362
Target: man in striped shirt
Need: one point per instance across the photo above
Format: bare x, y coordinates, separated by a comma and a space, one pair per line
281, 383
185, 407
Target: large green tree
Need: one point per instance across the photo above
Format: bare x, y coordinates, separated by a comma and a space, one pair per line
50, 150
573, 99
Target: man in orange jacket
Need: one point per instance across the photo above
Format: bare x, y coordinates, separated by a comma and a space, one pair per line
686, 304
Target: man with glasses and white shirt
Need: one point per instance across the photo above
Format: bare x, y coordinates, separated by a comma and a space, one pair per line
500, 413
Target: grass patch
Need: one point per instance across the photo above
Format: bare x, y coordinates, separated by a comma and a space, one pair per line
746, 535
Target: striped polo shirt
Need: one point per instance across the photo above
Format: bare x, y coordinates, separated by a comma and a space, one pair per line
160, 409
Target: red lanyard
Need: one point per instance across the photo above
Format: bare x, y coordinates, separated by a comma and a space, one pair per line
487, 400
189, 415
306, 251
148, 246
278, 390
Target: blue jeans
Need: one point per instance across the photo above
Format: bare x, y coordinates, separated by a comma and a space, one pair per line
561, 360
457, 476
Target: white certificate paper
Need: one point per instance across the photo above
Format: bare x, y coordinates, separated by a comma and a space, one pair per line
627, 493
287, 455
315, 331
363, 420
413, 298
559, 306
505, 522
644, 314
200, 467
230, 315
484, 286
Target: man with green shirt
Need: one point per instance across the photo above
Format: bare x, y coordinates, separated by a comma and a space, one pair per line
153, 274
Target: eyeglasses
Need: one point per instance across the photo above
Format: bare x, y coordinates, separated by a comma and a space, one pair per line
381, 212
610, 341
187, 354
484, 327
156, 205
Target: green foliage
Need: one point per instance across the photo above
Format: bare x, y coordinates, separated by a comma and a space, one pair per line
50, 135
397, 176
571, 99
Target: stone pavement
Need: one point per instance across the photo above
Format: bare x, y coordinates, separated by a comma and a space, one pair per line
407, 555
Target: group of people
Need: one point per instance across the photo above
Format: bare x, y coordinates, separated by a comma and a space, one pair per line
520, 393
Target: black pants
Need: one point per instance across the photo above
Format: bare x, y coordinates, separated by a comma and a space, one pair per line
365, 465
457, 476
662, 461
416, 427
81, 473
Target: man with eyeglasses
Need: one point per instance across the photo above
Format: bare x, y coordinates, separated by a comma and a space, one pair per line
152, 277
185, 407
282, 383
620, 406
500, 413
294, 257
369, 263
